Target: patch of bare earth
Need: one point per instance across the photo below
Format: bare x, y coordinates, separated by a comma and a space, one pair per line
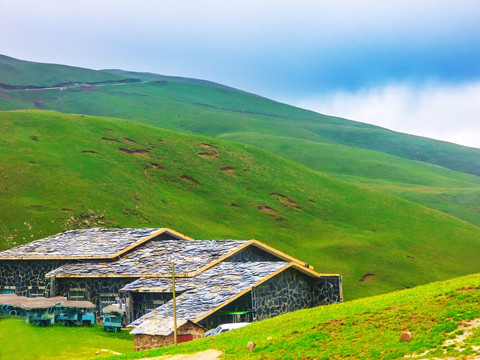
134, 151
367, 277
156, 165
211, 354
230, 170
188, 178
267, 209
109, 139
208, 154
286, 201
458, 341
127, 140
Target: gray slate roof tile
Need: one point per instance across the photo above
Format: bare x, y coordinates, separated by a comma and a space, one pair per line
80, 244
209, 290
154, 259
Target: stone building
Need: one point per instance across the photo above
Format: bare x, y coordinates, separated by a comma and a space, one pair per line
217, 281
164, 335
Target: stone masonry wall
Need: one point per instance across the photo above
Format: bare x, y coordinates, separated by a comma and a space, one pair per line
94, 288
328, 290
292, 290
146, 302
252, 253
27, 275
145, 342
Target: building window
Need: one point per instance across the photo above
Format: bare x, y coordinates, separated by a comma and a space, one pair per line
36, 292
8, 291
107, 300
77, 295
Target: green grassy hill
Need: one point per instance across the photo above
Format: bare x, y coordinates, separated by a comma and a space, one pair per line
451, 192
16, 72
442, 317
63, 171
359, 153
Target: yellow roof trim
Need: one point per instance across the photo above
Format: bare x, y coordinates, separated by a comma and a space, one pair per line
181, 275
327, 275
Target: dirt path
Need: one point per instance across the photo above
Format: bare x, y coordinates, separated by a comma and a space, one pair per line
211, 354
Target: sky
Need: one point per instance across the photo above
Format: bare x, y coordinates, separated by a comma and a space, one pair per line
409, 66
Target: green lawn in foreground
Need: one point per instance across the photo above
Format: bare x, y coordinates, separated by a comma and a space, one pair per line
367, 328
20, 340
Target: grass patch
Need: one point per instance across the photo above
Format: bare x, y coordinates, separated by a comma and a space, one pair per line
24, 341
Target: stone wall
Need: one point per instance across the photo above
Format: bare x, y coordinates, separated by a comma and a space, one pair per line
292, 290
328, 290
146, 302
252, 253
93, 288
145, 342
26, 276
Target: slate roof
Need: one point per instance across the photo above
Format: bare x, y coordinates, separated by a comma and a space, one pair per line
157, 285
163, 327
155, 259
95, 243
210, 290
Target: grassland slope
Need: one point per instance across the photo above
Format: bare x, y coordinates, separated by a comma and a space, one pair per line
443, 318
197, 106
63, 171
16, 72
359, 153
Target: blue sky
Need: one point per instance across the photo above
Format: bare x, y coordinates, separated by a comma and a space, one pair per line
411, 66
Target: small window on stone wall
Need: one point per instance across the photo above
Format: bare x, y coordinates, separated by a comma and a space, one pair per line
149, 307
77, 295
36, 292
107, 300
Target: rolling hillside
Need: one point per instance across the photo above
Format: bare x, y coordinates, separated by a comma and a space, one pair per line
18, 73
358, 153
64, 171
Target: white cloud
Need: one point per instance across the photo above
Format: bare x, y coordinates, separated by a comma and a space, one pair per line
439, 111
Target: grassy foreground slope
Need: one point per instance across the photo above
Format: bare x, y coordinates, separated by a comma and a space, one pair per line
67, 171
59, 342
442, 317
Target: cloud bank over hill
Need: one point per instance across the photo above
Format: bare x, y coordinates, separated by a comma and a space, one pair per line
442, 111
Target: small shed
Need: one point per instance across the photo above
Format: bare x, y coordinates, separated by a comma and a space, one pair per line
156, 333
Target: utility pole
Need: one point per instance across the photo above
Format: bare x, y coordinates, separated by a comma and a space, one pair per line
174, 305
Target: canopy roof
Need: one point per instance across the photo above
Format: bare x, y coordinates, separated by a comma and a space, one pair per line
42, 302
